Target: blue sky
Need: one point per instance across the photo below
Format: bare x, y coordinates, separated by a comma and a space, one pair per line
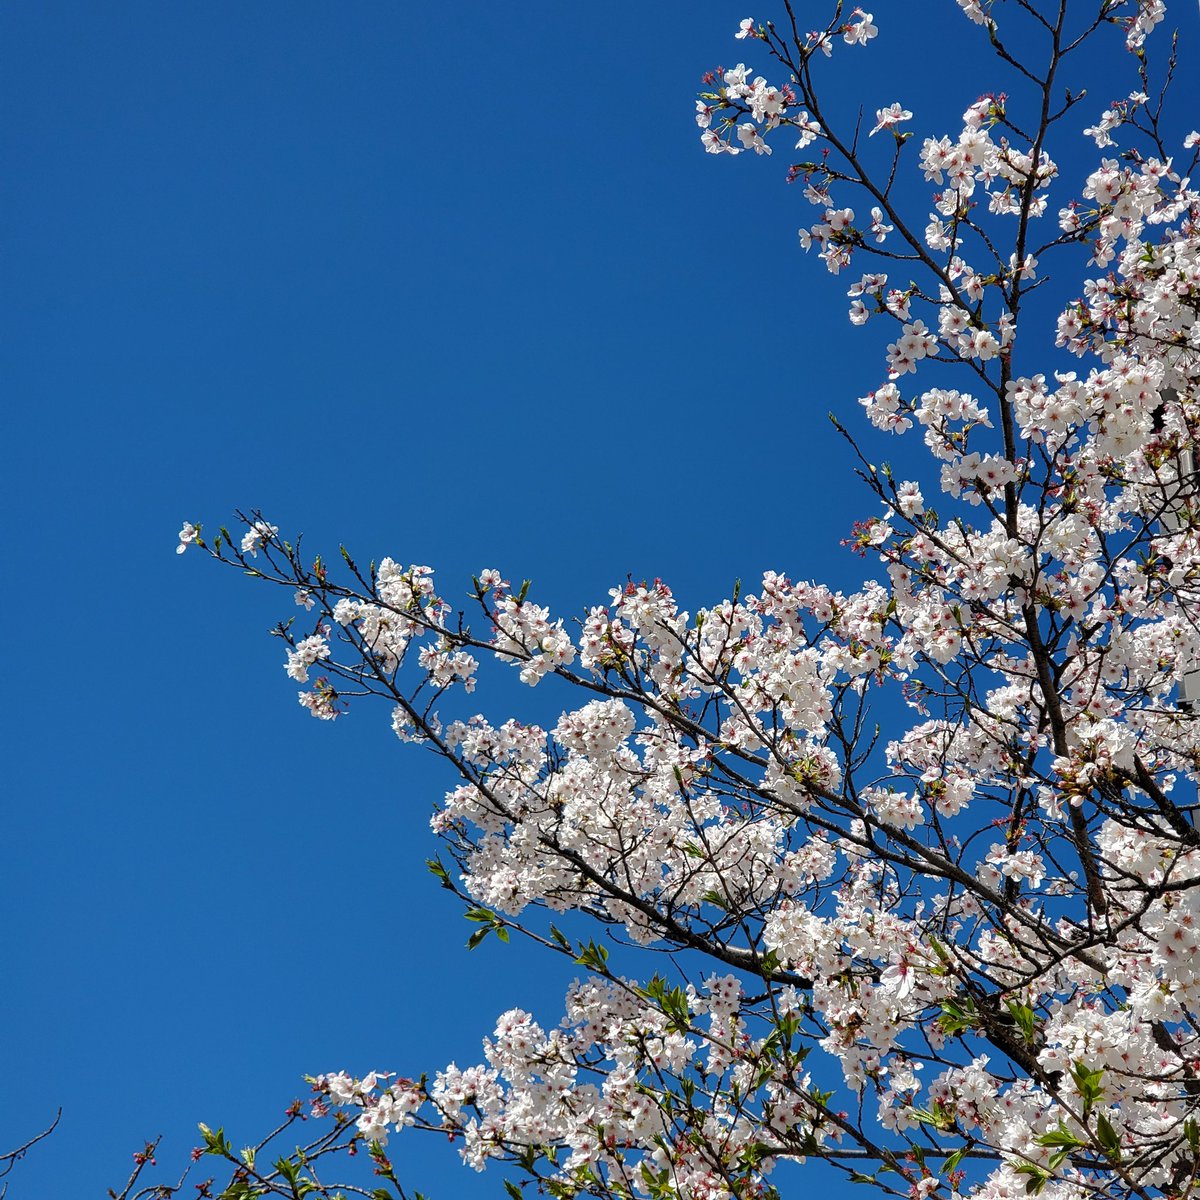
465, 291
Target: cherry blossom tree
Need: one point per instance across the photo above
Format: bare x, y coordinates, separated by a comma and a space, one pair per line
953, 955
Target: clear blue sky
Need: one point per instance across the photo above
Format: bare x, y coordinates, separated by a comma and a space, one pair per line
461, 290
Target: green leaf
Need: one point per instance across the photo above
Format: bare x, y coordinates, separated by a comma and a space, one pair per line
753, 1153
214, 1142
514, 1191
653, 989
675, 1005
952, 1160
288, 1169
593, 955
1109, 1138
478, 937
938, 1115
1089, 1085
1037, 1177
958, 1015
439, 872
1025, 1019
1060, 1136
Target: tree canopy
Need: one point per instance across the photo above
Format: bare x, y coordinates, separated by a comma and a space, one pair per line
906, 878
